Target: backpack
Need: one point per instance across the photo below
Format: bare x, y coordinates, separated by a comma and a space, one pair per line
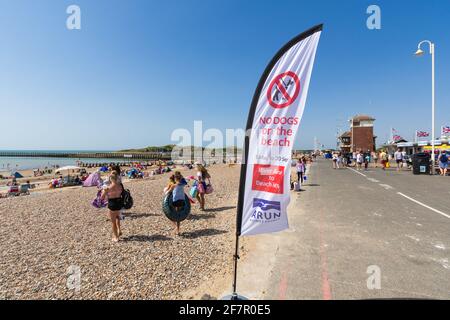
127, 199
444, 158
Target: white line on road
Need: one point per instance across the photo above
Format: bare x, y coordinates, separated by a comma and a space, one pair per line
424, 205
357, 172
386, 186
373, 180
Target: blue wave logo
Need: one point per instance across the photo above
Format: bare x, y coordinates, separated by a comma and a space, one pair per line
265, 211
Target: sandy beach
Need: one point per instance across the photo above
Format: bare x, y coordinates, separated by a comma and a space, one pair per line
44, 234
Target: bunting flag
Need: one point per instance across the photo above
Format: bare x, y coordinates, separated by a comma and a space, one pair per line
274, 118
421, 134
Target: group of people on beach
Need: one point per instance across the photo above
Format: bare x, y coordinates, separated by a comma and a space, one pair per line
113, 192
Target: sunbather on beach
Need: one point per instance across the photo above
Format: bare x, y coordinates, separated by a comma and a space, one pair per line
115, 203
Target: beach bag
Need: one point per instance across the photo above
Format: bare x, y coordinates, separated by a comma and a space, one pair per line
127, 199
296, 186
209, 188
305, 178
194, 191
388, 165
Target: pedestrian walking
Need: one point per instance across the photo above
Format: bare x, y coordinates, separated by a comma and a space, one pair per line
375, 159
339, 160
398, 156
334, 158
366, 160
384, 159
301, 169
443, 163
359, 160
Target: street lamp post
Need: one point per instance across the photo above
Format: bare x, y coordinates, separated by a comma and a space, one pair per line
420, 52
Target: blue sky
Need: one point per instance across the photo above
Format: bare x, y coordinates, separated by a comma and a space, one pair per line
137, 70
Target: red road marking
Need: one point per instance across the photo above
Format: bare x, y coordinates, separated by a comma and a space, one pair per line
283, 287
326, 289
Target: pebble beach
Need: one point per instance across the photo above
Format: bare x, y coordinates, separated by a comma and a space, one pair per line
44, 237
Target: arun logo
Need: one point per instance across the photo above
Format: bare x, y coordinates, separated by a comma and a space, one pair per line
265, 211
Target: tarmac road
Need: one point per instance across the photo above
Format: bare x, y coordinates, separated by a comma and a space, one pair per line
356, 235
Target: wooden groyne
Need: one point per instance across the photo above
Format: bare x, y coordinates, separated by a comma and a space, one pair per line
89, 155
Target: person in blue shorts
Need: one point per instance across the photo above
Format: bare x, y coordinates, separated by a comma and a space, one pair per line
443, 162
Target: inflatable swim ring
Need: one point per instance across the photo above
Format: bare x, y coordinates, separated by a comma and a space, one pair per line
171, 213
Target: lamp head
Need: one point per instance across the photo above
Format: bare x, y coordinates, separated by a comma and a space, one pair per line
419, 52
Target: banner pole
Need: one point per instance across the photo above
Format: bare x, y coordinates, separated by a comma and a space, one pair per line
234, 295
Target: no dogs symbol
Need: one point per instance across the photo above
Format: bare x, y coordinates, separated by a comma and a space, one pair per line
283, 90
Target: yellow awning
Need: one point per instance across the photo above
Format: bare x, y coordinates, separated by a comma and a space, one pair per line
440, 147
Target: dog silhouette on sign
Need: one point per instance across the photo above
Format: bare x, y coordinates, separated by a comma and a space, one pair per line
277, 93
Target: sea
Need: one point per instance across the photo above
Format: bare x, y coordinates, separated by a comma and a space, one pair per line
25, 163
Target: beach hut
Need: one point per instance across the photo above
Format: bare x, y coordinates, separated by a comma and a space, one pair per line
93, 180
16, 175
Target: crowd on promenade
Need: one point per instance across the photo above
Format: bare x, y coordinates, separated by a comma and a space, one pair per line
361, 160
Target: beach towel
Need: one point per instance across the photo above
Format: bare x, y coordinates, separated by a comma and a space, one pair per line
194, 191
93, 180
98, 202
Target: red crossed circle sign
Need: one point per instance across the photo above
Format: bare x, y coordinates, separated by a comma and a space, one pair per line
278, 95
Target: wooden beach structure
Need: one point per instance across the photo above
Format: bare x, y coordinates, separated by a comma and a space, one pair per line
89, 155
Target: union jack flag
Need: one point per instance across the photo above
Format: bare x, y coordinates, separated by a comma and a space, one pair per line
445, 129
396, 137
422, 134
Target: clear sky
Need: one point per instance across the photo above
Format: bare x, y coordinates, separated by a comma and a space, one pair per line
137, 70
